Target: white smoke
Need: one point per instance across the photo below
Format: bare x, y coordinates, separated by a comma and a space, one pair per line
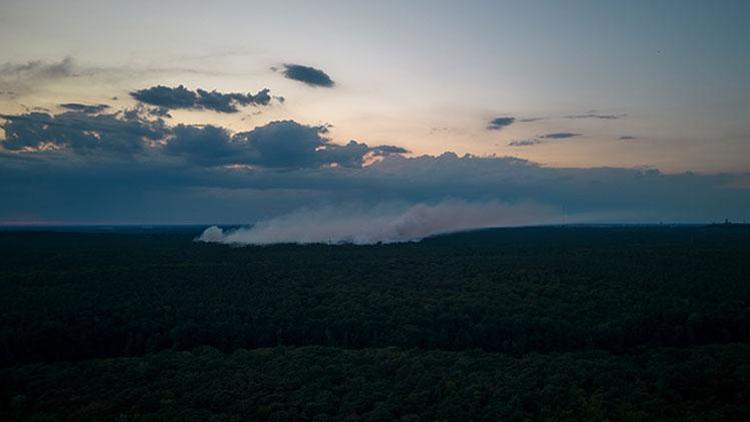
381, 224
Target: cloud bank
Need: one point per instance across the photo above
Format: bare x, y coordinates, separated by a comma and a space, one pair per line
96, 165
380, 224
278, 144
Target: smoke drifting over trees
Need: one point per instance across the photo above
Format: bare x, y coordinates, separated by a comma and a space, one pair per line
382, 224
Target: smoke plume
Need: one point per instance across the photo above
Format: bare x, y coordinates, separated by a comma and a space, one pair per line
381, 224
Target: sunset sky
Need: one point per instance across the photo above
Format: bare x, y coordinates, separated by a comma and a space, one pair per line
156, 112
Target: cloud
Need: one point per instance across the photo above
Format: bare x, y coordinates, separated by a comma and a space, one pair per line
595, 115
560, 135
158, 111
182, 98
157, 186
288, 144
80, 132
227, 103
525, 142
531, 119
385, 223
25, 78
500, 122
307, 75
39, 69
20, 79
204, 145
284, 143
163, 96
383, 150
627, 138
85, 108
540, 139
130, 166
278, 144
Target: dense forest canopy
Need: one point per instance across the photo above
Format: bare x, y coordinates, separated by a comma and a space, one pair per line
543, 323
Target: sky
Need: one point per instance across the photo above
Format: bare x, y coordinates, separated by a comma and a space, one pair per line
236, 112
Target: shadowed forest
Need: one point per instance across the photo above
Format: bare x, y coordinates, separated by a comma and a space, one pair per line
566, 323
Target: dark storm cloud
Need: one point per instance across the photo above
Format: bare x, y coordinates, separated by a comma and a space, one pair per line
595, 115
525, 142
182, 98
500, 122
559, 135
307, 75
85, 108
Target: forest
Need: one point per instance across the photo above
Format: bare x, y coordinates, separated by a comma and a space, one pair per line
540, 323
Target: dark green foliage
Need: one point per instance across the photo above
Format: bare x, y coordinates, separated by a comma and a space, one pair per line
565, 323
75, 296
317, 383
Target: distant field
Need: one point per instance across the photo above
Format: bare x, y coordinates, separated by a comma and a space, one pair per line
626, 323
